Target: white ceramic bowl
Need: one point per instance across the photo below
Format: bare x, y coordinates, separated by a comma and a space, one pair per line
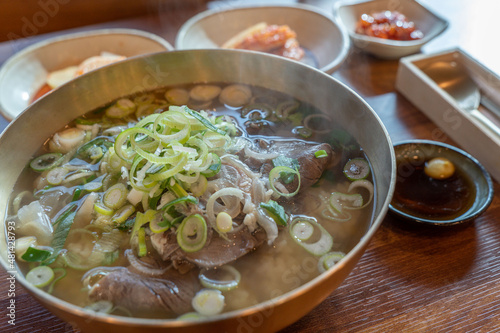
348, 14
23, 74
327, 41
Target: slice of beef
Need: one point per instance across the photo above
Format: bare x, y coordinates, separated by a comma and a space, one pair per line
221, 251
217, 252
310, 167
170, 294
165, 243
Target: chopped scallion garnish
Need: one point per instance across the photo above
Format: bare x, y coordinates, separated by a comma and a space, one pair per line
320, 154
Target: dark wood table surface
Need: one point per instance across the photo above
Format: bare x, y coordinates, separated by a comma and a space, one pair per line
411, 279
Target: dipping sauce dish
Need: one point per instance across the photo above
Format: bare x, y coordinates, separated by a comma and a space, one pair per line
453, 199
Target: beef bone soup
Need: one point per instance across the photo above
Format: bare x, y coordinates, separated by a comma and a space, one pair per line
190, 201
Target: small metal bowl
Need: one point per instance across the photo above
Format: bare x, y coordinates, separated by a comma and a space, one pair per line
411, 155
25, 134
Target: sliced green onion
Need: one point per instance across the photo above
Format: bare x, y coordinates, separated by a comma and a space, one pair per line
115, 163
35, 254
302, 230
367, 185
127, 225
319, 245
103, 209
60, 273
215, 141
192, 233
157, 225
40, 276
276, 211
208, 302
356, 168
171, 171
46, 161
93, 186
62, 227
199, 187
77, 194
176, 188
214, 168
116, 196
320, 154
23, 244
141, 238
94, 149
186, 199
123, 143
329, 260
338, 201
123, 214
172, 120
203, 120
292, 163
276, 173
56, 175
140, 220
222, 278
331, 214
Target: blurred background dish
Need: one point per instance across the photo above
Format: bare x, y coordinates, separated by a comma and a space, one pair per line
325, 43
439, 184
429, 24
25, 73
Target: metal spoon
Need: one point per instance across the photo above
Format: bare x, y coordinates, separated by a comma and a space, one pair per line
453, 79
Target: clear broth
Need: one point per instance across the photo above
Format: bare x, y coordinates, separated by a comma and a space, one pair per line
283, 266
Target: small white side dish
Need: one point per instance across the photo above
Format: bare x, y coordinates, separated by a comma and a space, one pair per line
318, 33
348, 13
23, 74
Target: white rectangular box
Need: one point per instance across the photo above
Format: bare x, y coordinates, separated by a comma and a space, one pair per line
444, 111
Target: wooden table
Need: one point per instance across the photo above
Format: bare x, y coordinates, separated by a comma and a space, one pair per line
411, 279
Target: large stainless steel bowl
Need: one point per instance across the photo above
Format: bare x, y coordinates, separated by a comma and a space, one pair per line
23, 137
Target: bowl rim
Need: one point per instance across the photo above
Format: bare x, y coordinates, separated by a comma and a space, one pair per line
328, 68
10, 115
390, 42
469, 216
358, 248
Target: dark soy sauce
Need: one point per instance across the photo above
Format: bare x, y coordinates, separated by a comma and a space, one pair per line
419, 195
